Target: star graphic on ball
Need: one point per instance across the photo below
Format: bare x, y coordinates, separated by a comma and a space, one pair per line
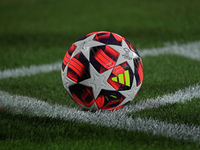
85, 45
98, 81
125, 54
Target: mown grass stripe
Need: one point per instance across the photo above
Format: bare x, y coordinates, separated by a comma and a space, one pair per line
118, 119
190, 50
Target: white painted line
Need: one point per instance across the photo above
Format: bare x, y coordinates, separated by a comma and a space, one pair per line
28, 71
119, 119
190, 50
183, 95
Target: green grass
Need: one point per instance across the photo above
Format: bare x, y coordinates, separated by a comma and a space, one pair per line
184, 113
47, 133
41, 31
37, 30
61, 134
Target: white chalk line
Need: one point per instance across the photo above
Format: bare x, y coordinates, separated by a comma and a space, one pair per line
183, 95
118, 119
28, 71
190, 50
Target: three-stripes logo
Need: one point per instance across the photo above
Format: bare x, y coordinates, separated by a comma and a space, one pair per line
123, 78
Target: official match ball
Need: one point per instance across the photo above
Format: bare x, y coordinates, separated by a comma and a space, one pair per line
102, 70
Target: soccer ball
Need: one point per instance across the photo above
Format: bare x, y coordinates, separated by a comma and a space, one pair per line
102, 70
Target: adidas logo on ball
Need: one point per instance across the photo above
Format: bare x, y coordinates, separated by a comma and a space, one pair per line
121, 77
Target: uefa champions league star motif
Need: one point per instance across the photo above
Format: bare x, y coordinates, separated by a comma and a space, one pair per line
98, 81
85, 45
